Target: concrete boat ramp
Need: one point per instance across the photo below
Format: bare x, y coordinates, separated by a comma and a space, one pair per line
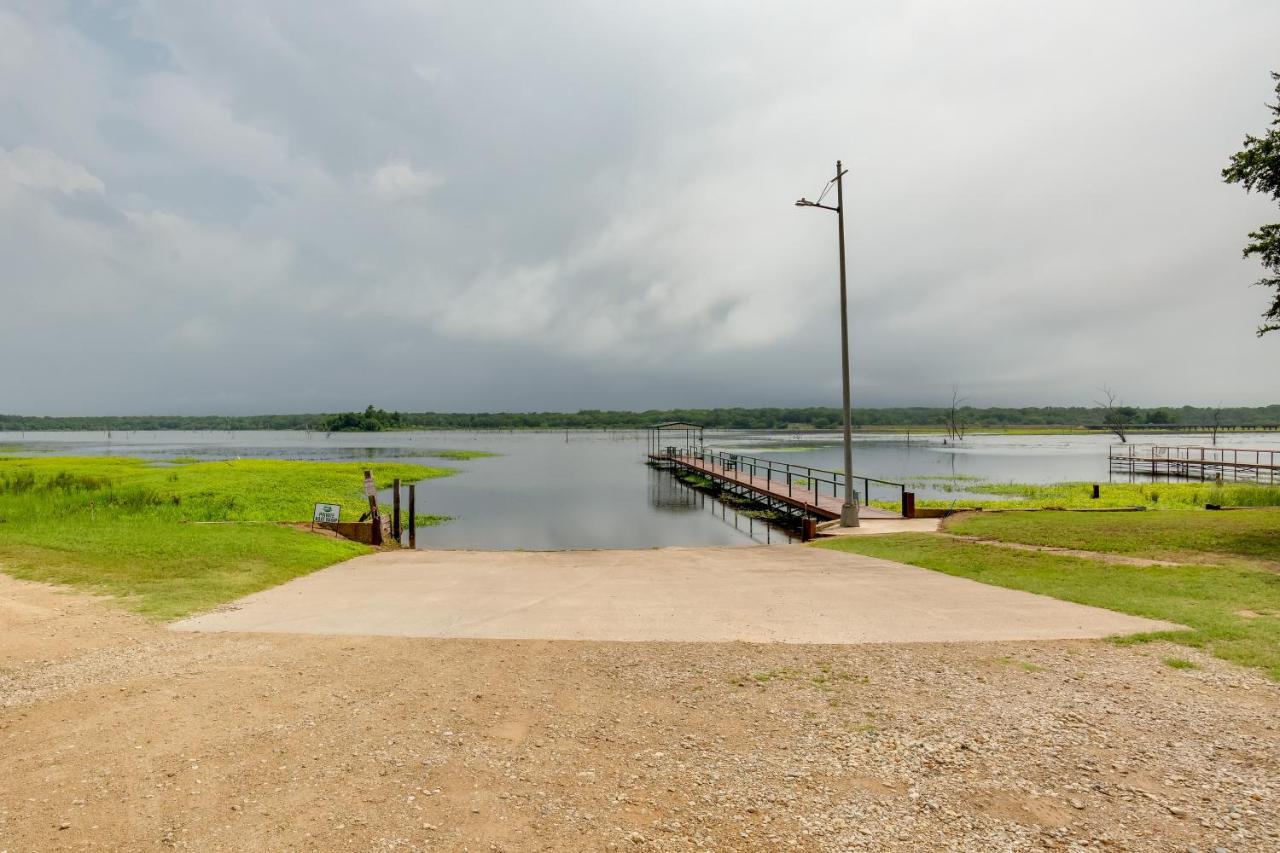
766, 594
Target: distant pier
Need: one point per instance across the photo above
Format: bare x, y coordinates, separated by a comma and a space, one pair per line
1236, 464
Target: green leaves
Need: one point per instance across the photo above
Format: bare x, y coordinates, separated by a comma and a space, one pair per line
1256, 167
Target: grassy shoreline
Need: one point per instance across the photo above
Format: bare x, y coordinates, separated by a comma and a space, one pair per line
1224, 585
1079, 495
1247, 536
121, 526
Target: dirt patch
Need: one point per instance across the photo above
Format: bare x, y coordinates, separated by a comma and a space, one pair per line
120, 735
1117, 559
1024, 809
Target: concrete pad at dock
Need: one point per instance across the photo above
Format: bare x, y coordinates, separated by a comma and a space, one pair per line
880, 526
769, 594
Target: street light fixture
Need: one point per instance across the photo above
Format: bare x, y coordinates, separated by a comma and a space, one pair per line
849, 511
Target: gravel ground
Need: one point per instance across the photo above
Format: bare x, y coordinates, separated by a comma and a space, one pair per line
118, 735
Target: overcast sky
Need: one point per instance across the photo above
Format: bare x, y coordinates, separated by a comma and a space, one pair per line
253, 206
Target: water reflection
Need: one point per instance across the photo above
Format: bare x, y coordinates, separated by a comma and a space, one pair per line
669, 494
555, 490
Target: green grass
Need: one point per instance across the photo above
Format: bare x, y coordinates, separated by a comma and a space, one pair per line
696, 480
1114, 495
166, 570
743, 504
230, 490
131, 529
423, 520
1231, 610
461, 455
945, 478
1179, 663
1190, 535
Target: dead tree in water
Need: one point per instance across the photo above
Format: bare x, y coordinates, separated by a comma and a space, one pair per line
1217, 422
955, 419
1115, 415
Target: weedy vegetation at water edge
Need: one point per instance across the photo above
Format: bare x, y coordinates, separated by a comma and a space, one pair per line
139, 531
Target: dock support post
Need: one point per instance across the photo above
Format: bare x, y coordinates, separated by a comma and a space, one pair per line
413, 520
371, 489
395, 510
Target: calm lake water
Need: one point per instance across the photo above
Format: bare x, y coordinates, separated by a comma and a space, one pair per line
552, 490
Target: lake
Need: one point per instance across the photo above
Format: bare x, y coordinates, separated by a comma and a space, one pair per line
589, 489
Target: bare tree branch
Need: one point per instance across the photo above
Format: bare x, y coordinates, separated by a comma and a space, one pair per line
956, 425
1115, 415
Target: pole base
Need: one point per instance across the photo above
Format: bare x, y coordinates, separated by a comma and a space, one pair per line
849, 515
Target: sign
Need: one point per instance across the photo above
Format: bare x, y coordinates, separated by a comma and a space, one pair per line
370, 487
327, 513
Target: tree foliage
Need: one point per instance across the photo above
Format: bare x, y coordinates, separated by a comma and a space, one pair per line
370, 420
811, 417
1256, 167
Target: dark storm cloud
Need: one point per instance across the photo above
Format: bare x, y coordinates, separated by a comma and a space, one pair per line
254, 206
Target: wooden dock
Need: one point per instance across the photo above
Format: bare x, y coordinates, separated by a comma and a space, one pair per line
1235, 464
794, 488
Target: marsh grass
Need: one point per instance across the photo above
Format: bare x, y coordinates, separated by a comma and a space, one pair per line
1113, 495
423, 520
1150, 495
461, 455
743, 504
119, 525
696, 480
946, 478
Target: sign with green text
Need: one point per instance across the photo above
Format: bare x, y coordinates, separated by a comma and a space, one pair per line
327, 513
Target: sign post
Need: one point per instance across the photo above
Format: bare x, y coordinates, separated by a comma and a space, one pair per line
371, 490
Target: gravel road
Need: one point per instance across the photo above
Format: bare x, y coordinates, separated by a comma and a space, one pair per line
119, 735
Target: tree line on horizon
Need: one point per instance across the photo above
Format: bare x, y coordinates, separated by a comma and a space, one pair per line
373, 419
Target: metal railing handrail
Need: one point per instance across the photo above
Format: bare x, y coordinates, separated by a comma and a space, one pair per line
789, 472
1190, 451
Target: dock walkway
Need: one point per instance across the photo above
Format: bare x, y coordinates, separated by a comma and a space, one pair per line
777, 486
1197, 463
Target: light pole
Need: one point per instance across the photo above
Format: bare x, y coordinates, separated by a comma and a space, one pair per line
849, 511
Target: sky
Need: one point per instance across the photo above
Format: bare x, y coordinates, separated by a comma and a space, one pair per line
253, 206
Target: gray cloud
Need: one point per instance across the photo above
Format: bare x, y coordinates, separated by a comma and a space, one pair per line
277, 207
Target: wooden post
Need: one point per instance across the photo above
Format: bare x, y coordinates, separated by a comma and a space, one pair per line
395, 510
371, 489
413, 520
